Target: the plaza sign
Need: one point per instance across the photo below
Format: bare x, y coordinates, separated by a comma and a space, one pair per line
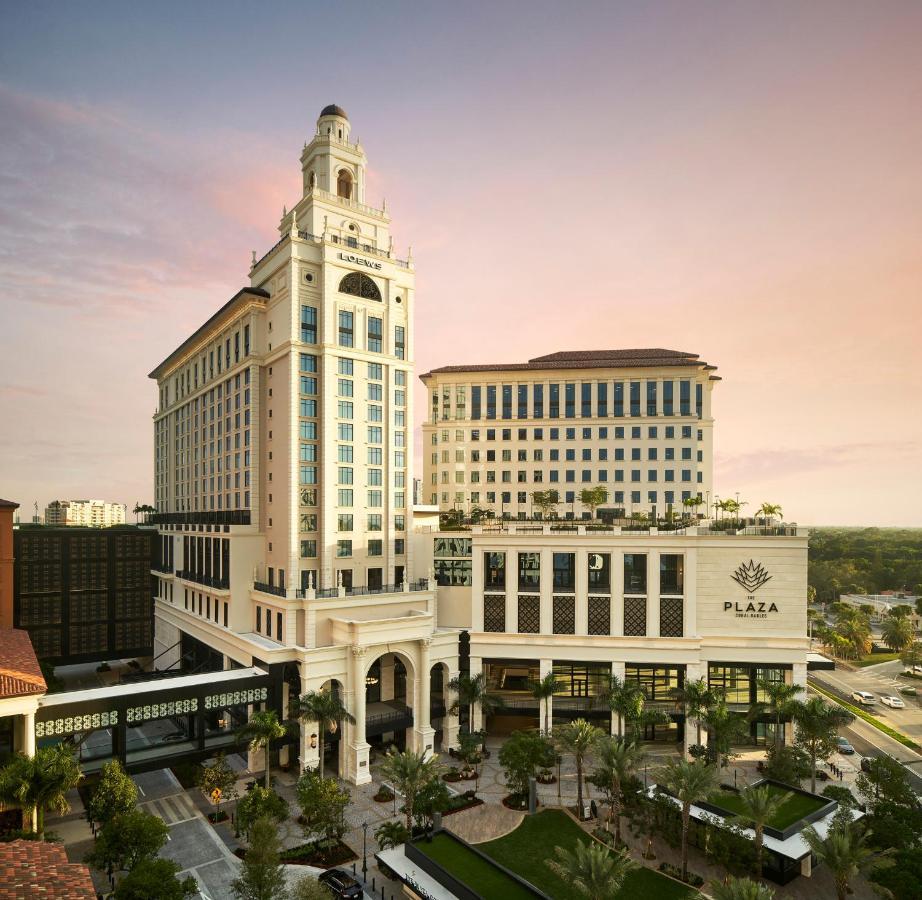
750, 576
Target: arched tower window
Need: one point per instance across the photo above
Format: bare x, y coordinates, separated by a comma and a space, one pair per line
312, 181
360, 285
344, 184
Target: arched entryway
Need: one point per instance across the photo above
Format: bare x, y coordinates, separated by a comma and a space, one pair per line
389, 698
439, 702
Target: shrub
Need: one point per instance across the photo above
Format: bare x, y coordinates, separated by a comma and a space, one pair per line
676, 872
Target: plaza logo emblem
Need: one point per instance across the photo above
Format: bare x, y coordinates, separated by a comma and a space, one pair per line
750, 576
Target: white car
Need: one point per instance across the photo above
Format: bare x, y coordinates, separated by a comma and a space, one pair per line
893, 702
863, 698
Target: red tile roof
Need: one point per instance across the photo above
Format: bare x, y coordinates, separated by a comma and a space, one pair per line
589, 359
30, 870
20, 673
8, 504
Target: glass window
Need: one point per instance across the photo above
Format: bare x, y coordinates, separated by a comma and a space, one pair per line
635, 398
400, 342
308, 362
344, 522
491, 401
585, 400
537, 398
668, 408
346, 329
529, 571
494, 571
375, 334
475, 402
564, 571
671, 573
602, 399
651, 398
599, 572
554, 401
570, 400
344, 548
619, 398
507, 401
522, 402
308, 327
684, 398
635, 573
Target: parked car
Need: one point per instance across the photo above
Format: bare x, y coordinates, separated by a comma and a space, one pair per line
340, 883
893, 702
909, 691
844, 747
863, 698
917, 670
866, 763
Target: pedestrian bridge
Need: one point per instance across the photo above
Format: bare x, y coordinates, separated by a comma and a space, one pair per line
157, 723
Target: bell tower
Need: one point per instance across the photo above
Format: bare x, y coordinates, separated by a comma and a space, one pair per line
331, 162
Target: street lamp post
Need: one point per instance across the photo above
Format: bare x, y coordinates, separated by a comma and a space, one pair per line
364, 855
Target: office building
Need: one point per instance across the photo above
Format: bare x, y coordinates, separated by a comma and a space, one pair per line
85, 513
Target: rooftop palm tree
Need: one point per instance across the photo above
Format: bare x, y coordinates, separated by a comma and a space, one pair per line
577, 737
769, 511
897, 633
624, 698
542, 691
688, 782
591, 869
616, 761
41, 782
780, 702
326, 708
817, 724
697, 698
472, 691
263, 728
409, 773
759, 805
740, 889
845, 851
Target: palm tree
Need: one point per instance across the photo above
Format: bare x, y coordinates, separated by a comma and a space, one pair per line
591, 869
697, 698
263, 728
624, 698
471, 692
759, 805
740, 889
769, 511
542, 691
817, 725
41, 782
780, 701
724, 727
329, 712
688, 782
616, 761
409, 773
391, 834
844, 850
897, 632
577, 737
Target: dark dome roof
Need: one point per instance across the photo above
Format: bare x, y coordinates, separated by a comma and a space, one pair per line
333, 110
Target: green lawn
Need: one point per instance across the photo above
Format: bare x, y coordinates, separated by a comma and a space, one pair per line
525, 849
472, 870
792, 810
872, 659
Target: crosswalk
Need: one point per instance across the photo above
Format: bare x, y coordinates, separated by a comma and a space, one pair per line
173, 810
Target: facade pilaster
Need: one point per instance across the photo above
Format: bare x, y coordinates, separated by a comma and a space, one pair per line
358, 767
424, 734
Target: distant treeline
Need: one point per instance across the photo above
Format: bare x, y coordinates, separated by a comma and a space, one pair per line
865, 560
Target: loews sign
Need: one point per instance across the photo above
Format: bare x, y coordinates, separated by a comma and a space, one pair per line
358, 261
750, 576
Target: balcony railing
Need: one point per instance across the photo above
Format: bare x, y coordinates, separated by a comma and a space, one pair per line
421, 584
206, 580
214, 517
162, 567
273, 589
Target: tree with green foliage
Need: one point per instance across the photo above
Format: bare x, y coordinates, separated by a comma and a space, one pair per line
260, 803
391, 834
816, 728
912, 655
697, 698
40, 782
155, 879
758, 806
740, 889
846, 852
546, 501
114, 793
616, 763
894, 810
688, 782
593, 498
433, 797
903, 879
592, 870
787, 764
768, 511
780, 702
521, 756
323, 806
543, 690
897, 633
217, 780
725, 728
262, 875
307, 887
624, 698
259, 733
577, 737
409, 773
126, 839
327, 710
471, 691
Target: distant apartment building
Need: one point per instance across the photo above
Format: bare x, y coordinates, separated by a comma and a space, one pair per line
637, 422
85, 513
84, 594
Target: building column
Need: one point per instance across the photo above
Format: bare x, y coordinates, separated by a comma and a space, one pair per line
545, 667
617, 669
653, 594
424, 733
360, 770
285, 751
28, 734
450, 724
693, 671
476, 669
798, 676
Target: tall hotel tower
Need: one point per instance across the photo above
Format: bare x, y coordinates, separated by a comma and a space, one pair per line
283, 469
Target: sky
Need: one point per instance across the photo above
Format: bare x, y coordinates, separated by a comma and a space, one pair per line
741, 180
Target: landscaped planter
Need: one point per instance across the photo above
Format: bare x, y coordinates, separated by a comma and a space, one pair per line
516, 802
310, 855
217, 817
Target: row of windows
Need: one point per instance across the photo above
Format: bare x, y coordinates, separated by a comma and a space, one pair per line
346, 331
634, 398
569, 475
264, 623
569, 454
375, 547
211, 364
523, 498
570, 434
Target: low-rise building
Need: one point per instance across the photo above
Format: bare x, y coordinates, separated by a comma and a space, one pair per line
85, 513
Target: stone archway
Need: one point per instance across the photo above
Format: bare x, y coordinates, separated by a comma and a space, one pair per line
390, 700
